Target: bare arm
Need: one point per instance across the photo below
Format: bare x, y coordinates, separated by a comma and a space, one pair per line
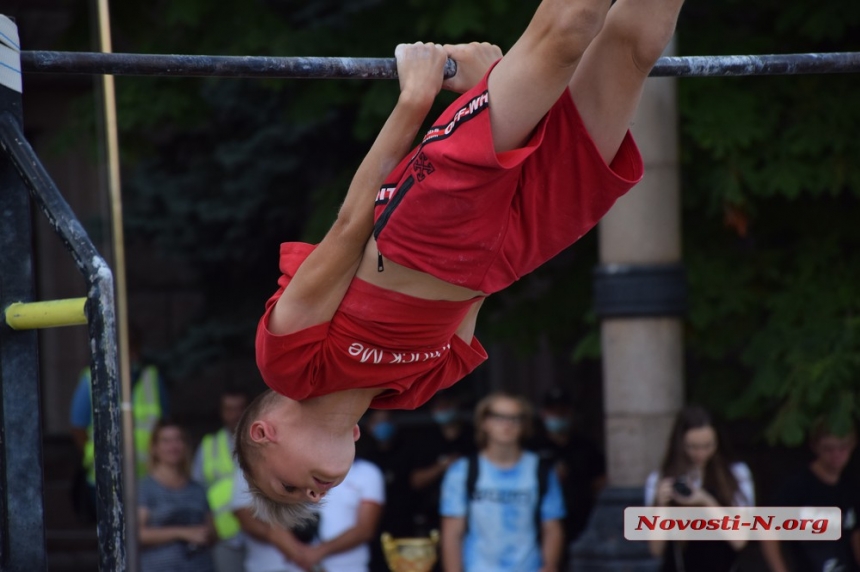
473, 61
155, 535
423, 477
264, 532
662, 496
251, 525
320, 283
453, 529
552, 544
656, 547
369, 514
772, 553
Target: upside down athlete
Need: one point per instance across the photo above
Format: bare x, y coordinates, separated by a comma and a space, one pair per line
381, 313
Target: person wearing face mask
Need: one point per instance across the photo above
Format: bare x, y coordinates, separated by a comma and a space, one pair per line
449, 438
381, 444
579, 463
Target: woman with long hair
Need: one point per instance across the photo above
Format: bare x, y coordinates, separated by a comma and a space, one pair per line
697, 471
175, 524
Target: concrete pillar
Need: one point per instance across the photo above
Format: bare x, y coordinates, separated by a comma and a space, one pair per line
643, 389
643, 355
641, 333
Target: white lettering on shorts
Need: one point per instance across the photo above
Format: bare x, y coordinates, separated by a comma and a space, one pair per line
384, 194
364, 353
463, 114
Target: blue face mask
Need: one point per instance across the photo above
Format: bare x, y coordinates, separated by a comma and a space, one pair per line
556, 424
383, 431
445, 416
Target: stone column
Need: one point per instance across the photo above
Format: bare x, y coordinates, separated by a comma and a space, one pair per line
640, 296
641, 330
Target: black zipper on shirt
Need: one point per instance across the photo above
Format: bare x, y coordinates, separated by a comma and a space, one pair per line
386, 214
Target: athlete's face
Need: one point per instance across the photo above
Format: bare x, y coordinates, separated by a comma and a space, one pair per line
301, 464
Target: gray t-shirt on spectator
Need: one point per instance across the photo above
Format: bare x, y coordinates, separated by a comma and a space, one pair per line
174, 507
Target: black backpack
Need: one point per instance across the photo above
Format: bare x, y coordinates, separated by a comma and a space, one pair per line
544, 468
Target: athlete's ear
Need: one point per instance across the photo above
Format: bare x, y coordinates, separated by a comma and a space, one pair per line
262, 432
356, 433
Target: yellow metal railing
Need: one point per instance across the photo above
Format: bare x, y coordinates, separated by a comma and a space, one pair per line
50, 314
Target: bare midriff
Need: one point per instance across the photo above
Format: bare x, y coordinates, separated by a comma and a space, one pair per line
405, 280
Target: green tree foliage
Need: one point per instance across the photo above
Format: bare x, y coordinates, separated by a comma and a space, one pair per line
221, 171
771, 187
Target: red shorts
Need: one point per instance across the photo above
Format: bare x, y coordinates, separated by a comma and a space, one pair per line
457, 210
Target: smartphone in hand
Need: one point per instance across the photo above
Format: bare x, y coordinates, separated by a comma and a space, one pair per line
681, 488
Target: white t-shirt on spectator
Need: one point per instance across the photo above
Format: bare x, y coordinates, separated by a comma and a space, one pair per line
259, 556
339, 513
744, 497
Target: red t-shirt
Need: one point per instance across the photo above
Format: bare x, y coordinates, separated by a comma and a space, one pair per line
459, 211
377, 339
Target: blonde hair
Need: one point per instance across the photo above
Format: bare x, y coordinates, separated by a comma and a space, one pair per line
248, 452
483, 409
286, 515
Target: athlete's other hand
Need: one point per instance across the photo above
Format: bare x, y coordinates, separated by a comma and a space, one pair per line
473, 61
420, 68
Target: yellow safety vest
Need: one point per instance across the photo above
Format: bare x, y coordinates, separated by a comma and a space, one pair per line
146, 411
218, 469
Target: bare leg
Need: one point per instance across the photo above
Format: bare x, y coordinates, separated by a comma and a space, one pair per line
537, 69
608, 81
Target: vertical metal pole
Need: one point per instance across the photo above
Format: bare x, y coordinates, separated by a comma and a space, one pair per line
22, 546
115, 191
102, 328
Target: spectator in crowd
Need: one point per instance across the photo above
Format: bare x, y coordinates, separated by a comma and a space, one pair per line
502, 509
449, 439
697, 471
268, 547
348, 521
175, 525
580, 465
381, 445
149, 404
214, 467
821, 483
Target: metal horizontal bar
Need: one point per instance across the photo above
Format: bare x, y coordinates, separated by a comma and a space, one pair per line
48, 314
213, 66
773, 64
386, 68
